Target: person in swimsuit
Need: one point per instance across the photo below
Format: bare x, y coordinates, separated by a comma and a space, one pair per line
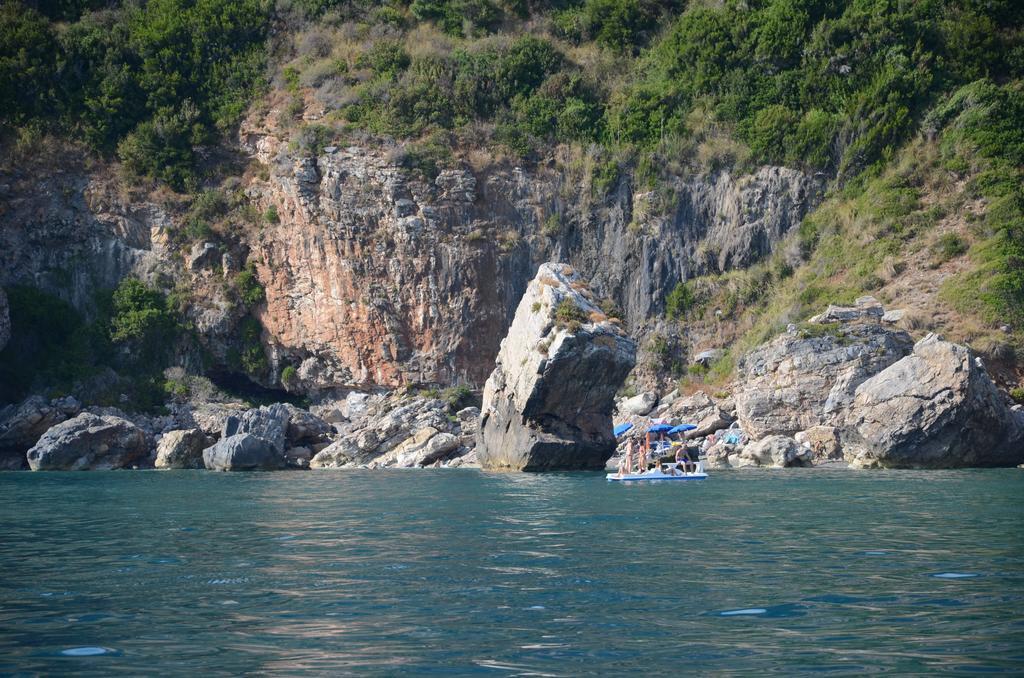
685, 457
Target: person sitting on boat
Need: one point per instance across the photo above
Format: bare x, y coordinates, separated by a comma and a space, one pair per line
686, 458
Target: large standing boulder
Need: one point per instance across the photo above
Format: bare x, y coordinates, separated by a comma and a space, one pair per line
181, 449
936, 408
22, 425
807, 376
548, 403
89, 442
5, 320
243, 452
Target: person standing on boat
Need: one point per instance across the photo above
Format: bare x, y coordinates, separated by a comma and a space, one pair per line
626, 465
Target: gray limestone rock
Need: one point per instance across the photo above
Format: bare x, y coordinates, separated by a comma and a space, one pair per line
702, 411
269, 422
823, 442
935, 408
423, 447
548, 402
640, 404
298, 457
338, 454
867, 309
799, 380
243, 452
305, 428
89, 442
705, 358
775, 451
23, 424
203, 255
181, 449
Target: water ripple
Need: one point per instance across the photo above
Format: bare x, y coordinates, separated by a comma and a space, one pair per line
511, 574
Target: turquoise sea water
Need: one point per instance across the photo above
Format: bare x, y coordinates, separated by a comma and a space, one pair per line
462, 572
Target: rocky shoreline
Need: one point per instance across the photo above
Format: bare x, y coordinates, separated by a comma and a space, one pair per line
848, 388
845, 388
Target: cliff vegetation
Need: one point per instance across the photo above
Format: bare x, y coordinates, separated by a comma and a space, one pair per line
911, 114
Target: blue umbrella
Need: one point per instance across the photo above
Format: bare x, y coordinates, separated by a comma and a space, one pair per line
621, 428
659, 428
681, 428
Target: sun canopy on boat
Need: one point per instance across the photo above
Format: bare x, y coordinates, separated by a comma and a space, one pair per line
681, 428
621, 428
659, 428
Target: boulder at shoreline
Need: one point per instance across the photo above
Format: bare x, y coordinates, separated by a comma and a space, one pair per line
807, 377
243, 452
181, 449
23, 424
89, 442
936, 408
548, 403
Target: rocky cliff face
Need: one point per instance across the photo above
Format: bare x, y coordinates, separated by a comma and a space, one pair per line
71, 232
377, 275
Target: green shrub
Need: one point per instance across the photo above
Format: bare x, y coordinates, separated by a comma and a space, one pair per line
153, 80
52, 347
386, 59
1017, 394
163, 147
28, 50
458, 397
769, 132
617, 24
141, 321
271, 216
176, 388
949, 246
248, 356
289, 375
680, 300
568, 314
453, 16
606, 176
668, 354
312, 139
610, 308
247, 284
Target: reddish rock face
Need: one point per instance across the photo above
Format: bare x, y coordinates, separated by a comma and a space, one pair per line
368, 273
375, 275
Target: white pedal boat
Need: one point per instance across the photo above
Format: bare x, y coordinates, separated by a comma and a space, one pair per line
661, 473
